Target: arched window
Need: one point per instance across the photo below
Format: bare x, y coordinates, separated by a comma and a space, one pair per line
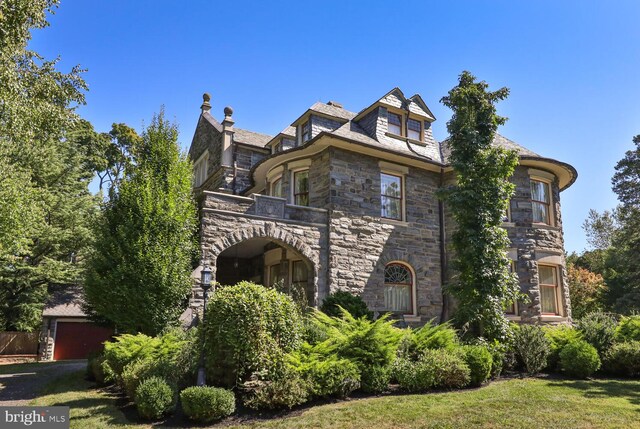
398, 288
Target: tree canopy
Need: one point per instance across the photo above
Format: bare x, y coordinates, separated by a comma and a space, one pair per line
478, 200
139, 276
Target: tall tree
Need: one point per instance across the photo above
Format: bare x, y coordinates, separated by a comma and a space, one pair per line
45, 204
139, 276
483, 284
624, 256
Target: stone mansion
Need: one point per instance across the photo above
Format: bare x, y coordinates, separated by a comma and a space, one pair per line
340, 200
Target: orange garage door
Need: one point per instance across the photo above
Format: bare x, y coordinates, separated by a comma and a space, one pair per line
76, 340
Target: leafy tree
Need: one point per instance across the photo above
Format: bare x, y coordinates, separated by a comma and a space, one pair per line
624, 256
587, 291
139, 276
484, 283
45, 205
600, 228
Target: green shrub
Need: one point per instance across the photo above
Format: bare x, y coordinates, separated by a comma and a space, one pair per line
352, 303
429, 336
435, 369
558, 337
247, 328
362, 341
501, 356
264, 392
579, 359
204, 404
332, 377
598, 329
628, 329
624, 359
98, 370
154, 398
375, 379
479, 360
531, 347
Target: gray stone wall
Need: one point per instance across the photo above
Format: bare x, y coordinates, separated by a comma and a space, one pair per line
361, 243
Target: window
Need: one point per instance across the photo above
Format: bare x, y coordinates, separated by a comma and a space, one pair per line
395, 123
299, 275
306, 134
414, 129
275, 275
540, 201
276, 187
548, 289
398, 288
391, 196
277, 147
200, 169
301, 188
511, 309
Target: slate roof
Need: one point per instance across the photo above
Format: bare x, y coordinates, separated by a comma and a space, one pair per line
498, 140
337, 112
65, 302
250, 137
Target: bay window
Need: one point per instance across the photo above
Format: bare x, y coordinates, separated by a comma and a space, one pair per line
541, 201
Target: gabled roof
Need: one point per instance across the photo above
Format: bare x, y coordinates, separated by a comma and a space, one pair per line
250, 138
396, 98
65, 302
336, 112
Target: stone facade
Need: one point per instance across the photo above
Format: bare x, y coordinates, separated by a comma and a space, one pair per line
341, 237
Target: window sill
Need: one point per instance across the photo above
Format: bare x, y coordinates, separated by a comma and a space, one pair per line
411, 318
394, 222
544, 226
550, 318
508, 224
513, 317
405, 139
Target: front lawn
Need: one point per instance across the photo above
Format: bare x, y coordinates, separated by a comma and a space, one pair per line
512, 403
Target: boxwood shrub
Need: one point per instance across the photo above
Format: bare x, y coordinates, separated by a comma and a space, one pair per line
598, 329
559, 336
332, 377
247, 329
205, 404
154, 398
579, 359
375, 379
479, 360
624, 359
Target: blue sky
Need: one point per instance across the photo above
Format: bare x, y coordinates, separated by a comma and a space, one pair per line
572, 67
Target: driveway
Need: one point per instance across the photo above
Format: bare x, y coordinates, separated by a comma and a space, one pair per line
21, 383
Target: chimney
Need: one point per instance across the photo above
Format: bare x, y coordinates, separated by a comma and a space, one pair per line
227, 137
335, 104
206, 105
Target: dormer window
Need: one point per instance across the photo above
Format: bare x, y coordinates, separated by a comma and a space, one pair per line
414, 129
306, 133
395, 123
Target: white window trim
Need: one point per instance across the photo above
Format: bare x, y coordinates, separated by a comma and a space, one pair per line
414, 289
398, 171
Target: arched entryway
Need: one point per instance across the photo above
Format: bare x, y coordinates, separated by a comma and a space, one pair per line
272, 258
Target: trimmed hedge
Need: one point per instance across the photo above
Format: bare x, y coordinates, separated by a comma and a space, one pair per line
435, 369
205, 404
628, 329
154, 398
375, 379
332, 377
624, 359
599, 330
579, 359
247, 329
479, 361
559, 336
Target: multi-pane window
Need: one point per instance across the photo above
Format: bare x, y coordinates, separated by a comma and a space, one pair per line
414, 129
391, 196
276, 188
306, 132
548, 281
398, 288
301, 188
540, 201
395, 123
299, 275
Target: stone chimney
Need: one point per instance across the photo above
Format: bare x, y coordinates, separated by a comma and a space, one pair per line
227, 137
206, 105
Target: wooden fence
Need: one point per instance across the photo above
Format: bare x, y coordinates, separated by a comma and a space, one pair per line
18, 343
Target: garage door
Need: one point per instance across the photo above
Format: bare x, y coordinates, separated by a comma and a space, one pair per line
76, 340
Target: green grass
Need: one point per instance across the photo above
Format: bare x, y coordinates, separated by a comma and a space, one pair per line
514, 403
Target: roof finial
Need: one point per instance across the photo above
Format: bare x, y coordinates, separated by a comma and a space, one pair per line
206, 105
228, 111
